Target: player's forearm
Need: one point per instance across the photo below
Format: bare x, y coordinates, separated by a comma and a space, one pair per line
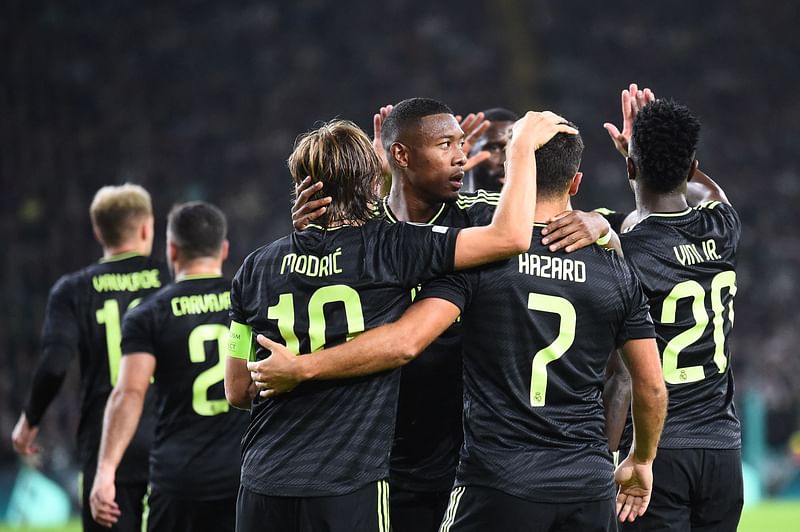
616, 400
240, 390
47, 381
122, 414
702, 188
649, 406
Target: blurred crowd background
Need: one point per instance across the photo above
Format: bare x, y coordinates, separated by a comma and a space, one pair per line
203, 100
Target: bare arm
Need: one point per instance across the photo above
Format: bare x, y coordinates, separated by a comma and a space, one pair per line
635, 474
616, 399
702, 188
123, 411
382, 348
239, 386
509, 233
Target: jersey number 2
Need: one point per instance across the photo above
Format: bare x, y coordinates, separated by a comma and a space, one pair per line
210, 332
559, 346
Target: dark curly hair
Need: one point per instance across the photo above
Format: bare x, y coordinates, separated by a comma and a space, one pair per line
663, 144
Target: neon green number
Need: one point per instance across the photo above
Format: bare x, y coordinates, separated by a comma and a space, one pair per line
559, 346
210, 332
316, 316
339, 293
109, 316
284, 313
673, 374
692, 289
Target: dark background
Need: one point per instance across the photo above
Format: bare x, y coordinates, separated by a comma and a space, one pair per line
203, 100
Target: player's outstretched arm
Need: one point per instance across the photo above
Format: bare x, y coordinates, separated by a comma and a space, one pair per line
382, 348
616, 398
123, 411
635, 474
509, 233
702, 188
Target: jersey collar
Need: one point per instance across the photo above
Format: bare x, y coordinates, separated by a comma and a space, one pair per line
120, 256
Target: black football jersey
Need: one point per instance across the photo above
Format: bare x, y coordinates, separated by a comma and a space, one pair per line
84, 312
537, 333
195, 454
429, 430
314, 289
686, 262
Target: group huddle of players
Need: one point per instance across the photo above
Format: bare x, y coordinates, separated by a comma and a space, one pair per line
536, 342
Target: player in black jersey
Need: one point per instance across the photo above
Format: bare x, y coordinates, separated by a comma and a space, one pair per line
176, 337
320, 457
538, 329
682, 241
83, 316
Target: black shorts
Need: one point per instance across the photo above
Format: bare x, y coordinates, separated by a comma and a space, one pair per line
364, 510
694, 490
414, 511
168, 513
129, 497
478, 509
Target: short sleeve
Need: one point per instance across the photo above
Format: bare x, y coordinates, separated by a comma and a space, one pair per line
138, 334
419, 252
638, 323
61, 322
457, 288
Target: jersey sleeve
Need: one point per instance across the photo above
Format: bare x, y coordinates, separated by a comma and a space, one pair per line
479, 207
240, 336
727, 216
59, 343
457, 288
638, 323
138, 330
419, 252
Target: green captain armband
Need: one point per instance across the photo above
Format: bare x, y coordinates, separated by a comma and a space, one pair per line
240, 341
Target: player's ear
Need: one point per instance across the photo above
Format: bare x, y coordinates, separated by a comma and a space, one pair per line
575, 184
693, 169
172, 251
399, 154
225, 248
631, 169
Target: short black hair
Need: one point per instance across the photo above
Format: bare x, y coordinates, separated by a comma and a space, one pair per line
408, 113
557, 162
663, 144
197, 228
500, 114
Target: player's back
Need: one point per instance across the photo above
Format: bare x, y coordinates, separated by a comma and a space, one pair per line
196, 452
686, 263
538, 330
314, 289
90, 304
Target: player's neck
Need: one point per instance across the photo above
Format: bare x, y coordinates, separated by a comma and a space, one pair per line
128, 247
407, 206
649, 202
198, 266
547, 208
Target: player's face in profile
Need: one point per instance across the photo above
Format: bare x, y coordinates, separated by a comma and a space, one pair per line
437, 159
491, 174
